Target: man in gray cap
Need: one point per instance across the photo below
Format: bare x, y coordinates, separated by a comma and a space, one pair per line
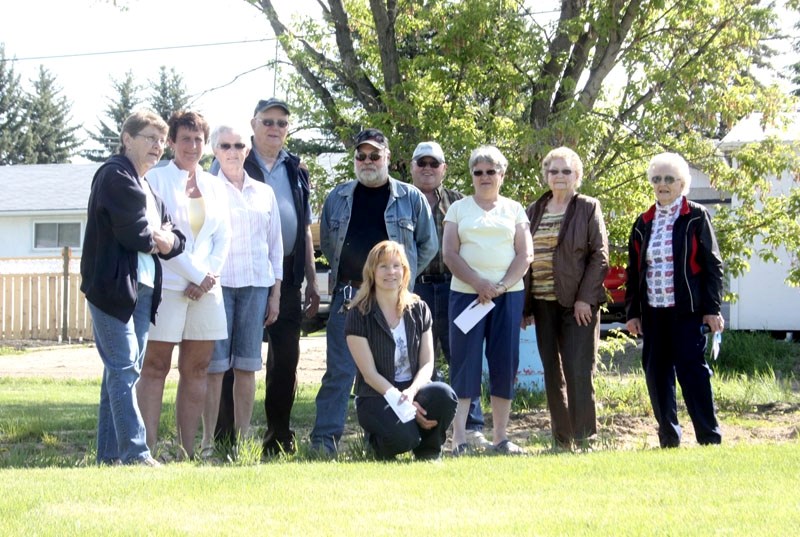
428, 168
356, 216
270, 163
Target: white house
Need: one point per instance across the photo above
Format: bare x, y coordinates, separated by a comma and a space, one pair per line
43, 208
765, 302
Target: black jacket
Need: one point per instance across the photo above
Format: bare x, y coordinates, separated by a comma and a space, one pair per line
301, 190
698, 266
375, 329
116, 231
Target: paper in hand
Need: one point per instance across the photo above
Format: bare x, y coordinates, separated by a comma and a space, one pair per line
716, 341
406, 411
473, 313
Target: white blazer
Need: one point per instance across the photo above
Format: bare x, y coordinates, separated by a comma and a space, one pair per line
205, 253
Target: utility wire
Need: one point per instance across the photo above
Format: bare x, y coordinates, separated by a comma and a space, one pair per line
133, 51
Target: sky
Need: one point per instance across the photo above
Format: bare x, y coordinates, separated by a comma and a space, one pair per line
225, 81
210, 73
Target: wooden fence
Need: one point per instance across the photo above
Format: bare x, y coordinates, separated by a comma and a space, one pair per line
44, 306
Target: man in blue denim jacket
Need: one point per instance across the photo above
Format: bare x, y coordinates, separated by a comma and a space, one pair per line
356, 216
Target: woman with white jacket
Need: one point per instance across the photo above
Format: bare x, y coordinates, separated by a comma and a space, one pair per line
192, 312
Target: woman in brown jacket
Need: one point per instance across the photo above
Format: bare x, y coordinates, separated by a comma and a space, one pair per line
564, 290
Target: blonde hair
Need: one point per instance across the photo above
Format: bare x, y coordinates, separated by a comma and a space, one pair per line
572, 159
365, 298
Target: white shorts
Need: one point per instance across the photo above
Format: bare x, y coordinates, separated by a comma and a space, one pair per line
180, 318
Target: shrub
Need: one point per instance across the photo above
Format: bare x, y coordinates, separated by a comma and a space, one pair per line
755, 353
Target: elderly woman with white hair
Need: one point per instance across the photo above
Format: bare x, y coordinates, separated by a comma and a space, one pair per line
250, 278
564, 291
675, 287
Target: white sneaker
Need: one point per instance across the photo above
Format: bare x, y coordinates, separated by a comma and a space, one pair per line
476, 440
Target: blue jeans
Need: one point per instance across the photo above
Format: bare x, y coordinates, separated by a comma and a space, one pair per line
337, 383
245, 309
120, 429
437, 297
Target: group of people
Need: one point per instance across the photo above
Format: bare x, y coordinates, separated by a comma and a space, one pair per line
214, 262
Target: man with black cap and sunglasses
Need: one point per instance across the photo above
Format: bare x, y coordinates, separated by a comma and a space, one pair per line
271, 163
356, 216
428, 168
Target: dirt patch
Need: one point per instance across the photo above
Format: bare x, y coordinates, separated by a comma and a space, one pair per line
81, 361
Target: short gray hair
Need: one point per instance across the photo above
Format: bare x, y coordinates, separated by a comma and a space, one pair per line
222, 129
678, 163
490, 154
572, 159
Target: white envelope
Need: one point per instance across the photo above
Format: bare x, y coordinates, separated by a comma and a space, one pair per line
406, 411
473, 313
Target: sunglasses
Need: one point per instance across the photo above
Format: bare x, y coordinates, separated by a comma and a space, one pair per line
668, 179
282, 123
433, 163
361, 157
566, 172
225, 146
479, 173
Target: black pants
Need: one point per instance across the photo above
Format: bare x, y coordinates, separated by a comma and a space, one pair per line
674, 346
283, 356
388, 436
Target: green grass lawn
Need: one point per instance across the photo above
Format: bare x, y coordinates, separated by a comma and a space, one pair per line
742, 490
49, 484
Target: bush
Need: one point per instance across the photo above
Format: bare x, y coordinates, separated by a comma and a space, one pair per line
754, 353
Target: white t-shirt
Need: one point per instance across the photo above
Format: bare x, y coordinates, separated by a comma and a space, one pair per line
402, 364
487, 239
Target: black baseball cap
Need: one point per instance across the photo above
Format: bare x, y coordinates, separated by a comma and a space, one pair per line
272, 102
373, 137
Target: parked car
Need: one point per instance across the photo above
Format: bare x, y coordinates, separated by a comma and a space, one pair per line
614, 284
323, 269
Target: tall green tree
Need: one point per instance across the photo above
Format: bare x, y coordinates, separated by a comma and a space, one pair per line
49, 137
168, 95
618, 80
12, 117
118, 108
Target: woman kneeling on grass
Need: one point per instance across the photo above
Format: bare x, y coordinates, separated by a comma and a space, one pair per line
389, 335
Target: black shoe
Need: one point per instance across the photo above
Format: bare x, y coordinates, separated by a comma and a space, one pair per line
274, 446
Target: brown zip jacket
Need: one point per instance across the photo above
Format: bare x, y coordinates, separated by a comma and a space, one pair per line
580, 261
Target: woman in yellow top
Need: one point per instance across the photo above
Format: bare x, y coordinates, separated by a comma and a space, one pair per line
487, 247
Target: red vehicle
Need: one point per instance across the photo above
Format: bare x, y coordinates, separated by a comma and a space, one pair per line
614, 284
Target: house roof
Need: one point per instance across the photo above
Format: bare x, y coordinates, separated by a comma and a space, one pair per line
45, 187
750, 129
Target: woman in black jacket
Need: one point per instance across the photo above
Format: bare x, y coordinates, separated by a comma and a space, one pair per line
675, 287
127, 226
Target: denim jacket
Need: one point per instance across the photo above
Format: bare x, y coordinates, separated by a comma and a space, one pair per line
408, 221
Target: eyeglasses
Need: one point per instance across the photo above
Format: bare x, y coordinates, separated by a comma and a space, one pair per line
566, 171
282, 123
668, 179
479, 173
152, 139
361, 157
225, 146
432, 163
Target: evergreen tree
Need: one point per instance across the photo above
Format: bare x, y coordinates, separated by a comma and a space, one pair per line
118, 108
12, 117
49, 138
169, 95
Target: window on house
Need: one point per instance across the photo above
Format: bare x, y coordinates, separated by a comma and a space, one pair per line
57, 235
